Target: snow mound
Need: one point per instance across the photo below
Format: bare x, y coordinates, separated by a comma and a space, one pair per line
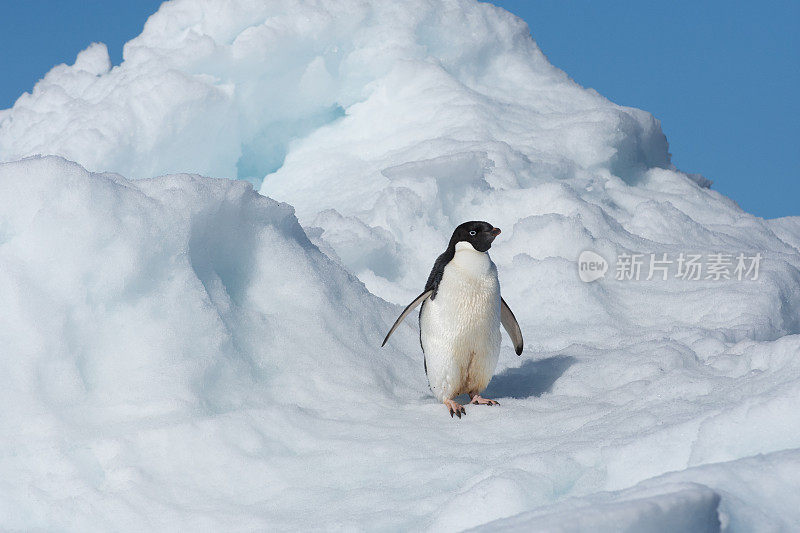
177, 354
135, 311
744, 498
686, 509
225, 88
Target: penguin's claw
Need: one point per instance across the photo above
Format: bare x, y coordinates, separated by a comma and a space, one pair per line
454, 408
477, 400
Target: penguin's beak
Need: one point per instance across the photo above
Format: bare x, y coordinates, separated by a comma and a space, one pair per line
495, 232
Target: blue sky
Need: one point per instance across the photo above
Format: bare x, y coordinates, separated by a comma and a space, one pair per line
723, 77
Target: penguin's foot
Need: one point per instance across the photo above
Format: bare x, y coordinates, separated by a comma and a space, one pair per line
455, 409
477, 400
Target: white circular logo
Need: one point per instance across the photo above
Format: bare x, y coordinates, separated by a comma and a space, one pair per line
591, 266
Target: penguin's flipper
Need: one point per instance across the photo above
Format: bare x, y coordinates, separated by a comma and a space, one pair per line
410, 307
512, 326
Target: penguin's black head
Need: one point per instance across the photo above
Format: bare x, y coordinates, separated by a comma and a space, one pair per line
479, 234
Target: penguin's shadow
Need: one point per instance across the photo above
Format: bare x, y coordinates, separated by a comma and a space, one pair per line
532, 378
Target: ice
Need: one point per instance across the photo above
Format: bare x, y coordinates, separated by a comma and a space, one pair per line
685, 509
134, 311
180, 352
227, 88
670, 503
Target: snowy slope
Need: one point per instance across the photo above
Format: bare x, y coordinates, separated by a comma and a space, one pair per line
158, 337
180, 352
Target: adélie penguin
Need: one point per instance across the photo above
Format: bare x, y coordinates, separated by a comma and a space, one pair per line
459, 322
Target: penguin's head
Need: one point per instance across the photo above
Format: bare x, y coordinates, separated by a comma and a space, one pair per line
479, 234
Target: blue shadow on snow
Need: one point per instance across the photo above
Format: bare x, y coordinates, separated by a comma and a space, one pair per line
533, 378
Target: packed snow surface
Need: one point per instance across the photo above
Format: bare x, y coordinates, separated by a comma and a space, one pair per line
183, 353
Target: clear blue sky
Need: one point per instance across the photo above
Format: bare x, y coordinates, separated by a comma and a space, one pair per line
723, 77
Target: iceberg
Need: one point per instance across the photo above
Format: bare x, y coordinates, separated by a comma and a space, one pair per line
202, 248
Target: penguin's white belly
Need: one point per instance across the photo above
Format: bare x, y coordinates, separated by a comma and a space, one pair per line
460, 328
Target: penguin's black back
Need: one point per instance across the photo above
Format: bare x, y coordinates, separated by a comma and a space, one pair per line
435, 277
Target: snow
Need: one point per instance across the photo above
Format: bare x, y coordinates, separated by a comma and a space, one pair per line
686, 509
183, 353
745, 498
156, 337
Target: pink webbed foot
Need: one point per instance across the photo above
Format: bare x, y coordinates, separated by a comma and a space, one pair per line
455, 409
477, 400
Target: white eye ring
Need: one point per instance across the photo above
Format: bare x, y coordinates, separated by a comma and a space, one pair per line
473, 232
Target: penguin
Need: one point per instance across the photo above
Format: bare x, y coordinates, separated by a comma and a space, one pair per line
460, 318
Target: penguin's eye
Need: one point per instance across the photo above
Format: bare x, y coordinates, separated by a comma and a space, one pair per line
473, 232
